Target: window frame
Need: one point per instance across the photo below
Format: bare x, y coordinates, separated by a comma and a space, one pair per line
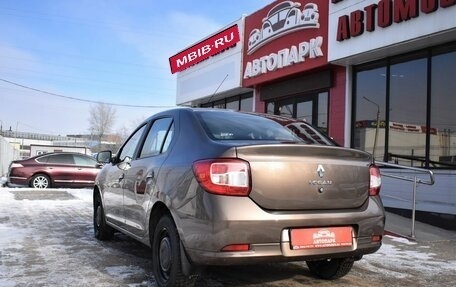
163, 140
426, 54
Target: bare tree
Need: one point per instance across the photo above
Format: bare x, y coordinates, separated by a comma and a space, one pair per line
101, 120
124, 131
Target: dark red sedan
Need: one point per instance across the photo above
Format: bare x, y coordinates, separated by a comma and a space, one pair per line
62, 169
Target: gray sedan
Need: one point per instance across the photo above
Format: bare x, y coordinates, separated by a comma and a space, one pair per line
218, 187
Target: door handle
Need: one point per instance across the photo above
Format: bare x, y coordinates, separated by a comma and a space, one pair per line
150, 175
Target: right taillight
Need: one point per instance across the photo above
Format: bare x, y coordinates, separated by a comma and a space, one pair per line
375, 180
226, 176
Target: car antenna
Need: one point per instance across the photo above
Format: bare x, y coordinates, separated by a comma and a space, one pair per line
210, 99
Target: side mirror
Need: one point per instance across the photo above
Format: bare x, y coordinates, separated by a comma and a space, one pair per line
104, 157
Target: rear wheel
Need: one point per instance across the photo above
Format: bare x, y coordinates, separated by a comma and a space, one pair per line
331, 269
40, 181
166, 257
101, 229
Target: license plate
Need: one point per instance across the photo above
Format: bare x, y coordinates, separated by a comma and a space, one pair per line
325, 237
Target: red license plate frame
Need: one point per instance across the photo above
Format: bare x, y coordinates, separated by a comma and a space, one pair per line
321, 237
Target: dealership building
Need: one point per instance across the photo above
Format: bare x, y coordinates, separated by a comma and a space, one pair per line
345, 66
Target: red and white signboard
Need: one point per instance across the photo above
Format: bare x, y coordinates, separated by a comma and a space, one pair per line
284, 38
205, 49
386, 27
330, 237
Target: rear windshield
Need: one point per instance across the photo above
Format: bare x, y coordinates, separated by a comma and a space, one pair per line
302, 129
238, 126
309, 134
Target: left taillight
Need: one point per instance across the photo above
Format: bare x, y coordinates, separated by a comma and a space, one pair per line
227, 176
375, 180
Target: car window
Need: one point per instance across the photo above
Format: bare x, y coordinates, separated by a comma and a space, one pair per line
169, 136
43, 159
83, 160
129, 147
156, 137
60, 159
239, 126
300, 128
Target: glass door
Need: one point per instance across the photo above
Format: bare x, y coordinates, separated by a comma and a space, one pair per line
313, 108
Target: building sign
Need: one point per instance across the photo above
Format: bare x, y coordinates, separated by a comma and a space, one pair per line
384, 14
284, 38
203, 50
363, 30
220, 73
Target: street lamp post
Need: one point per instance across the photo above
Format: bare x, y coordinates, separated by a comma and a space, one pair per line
378, 124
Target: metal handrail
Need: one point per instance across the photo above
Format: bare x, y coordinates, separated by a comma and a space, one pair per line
413, 179
406, 178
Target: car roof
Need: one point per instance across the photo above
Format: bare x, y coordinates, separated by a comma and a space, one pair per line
57, 153
284, 121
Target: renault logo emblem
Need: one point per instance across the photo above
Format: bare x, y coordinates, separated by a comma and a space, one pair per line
320, 171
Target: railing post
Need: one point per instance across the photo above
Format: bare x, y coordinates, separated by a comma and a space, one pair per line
415, 181
414, 207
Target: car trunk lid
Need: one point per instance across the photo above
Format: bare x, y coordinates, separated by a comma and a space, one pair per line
305, 177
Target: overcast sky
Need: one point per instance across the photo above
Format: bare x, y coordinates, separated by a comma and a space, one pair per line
108, 51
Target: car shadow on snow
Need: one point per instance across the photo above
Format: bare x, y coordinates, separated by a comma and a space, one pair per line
124, 251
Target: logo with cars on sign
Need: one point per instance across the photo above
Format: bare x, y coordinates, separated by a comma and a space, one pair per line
282, 19
324, 236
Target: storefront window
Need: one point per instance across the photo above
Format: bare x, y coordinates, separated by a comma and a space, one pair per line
219, 104
304, 111
313, 108
207, 105
370, 93
270, 107
246, 104
443, 114
399, 88
322, 121
232, 105
286, 109
407, 113
238, 103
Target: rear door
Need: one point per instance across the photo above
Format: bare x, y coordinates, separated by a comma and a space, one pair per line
61, 169
140, 179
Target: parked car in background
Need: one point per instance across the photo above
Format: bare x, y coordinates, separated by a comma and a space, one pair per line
59, 169
218, 187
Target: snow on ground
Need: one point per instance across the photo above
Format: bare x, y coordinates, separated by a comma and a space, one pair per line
397, 258
46, 242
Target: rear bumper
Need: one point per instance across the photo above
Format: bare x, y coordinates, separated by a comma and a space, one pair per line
16, 180
234, 220
269, 253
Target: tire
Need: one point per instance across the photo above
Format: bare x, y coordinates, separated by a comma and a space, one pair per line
166, 257
331, 269
102, 230
40, 181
